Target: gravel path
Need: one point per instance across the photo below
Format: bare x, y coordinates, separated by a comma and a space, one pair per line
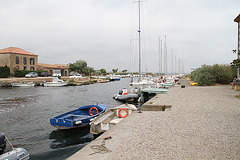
203, 123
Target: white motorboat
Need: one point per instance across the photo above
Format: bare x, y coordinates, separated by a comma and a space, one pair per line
55, 83
14, 154
23, 84
113, 116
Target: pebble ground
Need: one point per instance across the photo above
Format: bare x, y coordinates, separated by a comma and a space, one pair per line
203, 123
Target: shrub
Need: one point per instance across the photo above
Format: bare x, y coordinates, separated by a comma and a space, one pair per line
209, 75
4, 71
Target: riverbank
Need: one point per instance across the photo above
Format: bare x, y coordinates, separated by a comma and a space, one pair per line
6, 82
203, 123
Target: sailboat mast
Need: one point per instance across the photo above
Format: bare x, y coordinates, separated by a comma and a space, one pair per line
160, 57
139, 38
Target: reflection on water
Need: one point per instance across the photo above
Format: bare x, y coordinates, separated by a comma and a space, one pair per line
68, 137
25, 115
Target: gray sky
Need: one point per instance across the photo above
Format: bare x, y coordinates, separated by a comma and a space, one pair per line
104, 32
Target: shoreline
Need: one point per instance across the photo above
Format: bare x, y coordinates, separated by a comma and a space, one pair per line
203, 123
6, 82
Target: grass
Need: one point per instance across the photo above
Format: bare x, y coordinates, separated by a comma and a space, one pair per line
238, 96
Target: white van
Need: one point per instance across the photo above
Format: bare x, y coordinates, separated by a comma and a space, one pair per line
57, 73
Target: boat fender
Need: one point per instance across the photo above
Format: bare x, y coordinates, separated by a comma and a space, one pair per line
78, 122
120, 115
90, 111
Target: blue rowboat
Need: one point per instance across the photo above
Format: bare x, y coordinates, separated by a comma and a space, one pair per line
78, 118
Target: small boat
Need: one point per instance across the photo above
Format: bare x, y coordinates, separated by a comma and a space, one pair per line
55, 83
113, 116
125, 96
78, 118
23, 84
115, 78
14, 154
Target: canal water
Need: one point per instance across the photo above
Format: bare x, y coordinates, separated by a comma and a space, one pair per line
25, 115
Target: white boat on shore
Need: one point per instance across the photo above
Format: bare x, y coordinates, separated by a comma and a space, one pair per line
113, 116
55, 83
23, 84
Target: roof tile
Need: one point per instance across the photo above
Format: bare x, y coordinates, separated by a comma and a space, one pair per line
16, 50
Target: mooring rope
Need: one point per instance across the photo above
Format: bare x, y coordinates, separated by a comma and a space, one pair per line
101, 148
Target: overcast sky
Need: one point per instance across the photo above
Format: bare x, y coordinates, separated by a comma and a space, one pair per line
104, 32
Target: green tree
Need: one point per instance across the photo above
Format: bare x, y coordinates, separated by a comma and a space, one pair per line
124, 71
115, 70
88, 70
79, 66
103, 71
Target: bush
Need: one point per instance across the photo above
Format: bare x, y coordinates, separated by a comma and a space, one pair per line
4, 71
209, 75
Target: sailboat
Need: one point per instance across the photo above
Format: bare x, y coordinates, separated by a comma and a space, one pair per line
133, 90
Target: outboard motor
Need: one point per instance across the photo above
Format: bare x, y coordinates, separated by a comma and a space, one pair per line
3, 142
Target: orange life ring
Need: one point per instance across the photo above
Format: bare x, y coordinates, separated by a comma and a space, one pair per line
120, 113
90, 111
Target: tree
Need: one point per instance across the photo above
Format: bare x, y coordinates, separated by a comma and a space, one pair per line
115, 70
88, 70
124, 71
72, 67
103, 71
79, 66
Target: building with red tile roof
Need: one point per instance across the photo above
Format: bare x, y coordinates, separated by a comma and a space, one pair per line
17, 58
51, 67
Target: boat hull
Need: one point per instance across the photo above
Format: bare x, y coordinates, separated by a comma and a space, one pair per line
126, 97
50, 84
15, 154
80, 117
23, 84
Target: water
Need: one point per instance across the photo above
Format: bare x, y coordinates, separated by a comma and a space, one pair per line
25, 115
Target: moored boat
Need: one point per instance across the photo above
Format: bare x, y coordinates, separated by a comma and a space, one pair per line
14, 154
55, 83
23, 84
79, 117
125, 96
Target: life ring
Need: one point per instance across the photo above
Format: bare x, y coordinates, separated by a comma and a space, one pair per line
120, 113
90, 111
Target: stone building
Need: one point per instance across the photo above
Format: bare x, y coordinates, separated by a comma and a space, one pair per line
16, 58
53, 67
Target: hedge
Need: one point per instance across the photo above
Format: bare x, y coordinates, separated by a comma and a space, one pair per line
22, 73
4, 71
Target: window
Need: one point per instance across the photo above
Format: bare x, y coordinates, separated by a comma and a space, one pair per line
24, 67
32, 61
32, 68
25, 60
17, 60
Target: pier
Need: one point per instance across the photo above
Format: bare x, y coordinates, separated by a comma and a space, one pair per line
202, 123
